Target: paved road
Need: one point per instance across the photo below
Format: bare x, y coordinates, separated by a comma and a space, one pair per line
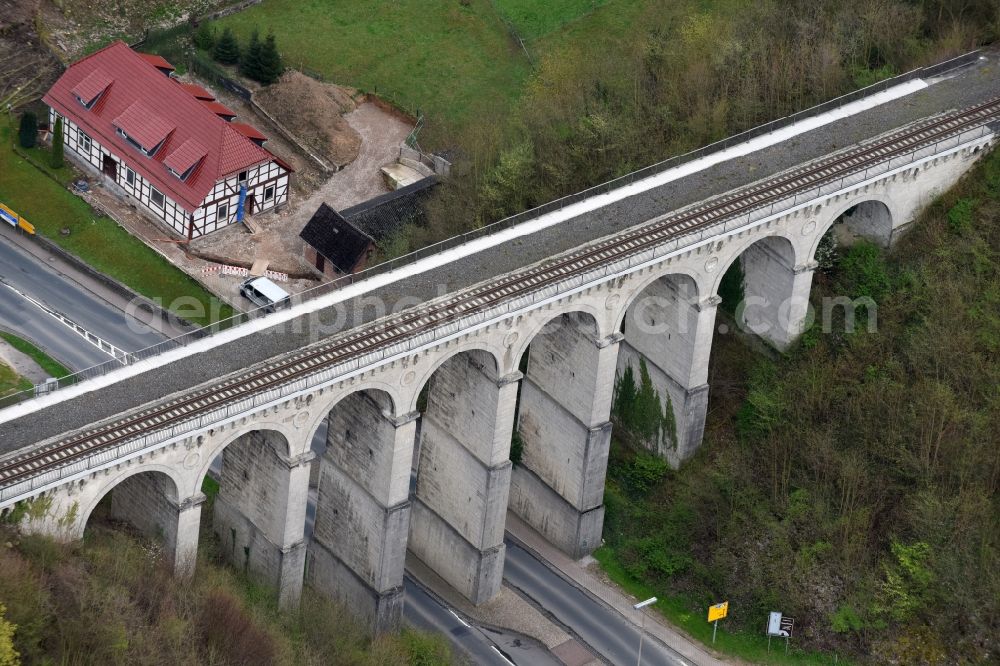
31, 276
603, 629
480, 646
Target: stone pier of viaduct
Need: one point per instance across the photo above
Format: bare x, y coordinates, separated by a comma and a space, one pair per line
415, 452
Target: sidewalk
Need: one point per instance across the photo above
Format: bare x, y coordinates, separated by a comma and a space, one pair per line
581, 576
96, 287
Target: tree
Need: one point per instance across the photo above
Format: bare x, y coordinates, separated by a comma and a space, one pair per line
8, 655
204, 37
648, 420
57, 144
28, 133
625, 392
251, 64
227, 50
507, 188
271, 67
639, 410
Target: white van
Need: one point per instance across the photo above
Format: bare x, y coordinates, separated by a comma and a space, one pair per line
264, 293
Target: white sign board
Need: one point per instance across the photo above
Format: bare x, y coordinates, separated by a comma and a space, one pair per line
774, 625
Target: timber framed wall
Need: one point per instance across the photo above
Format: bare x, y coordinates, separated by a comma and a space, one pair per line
267, 184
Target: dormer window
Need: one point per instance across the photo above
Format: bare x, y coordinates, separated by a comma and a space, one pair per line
91, 87
90, 104
182, 176
184, 159
148, 152
143, 129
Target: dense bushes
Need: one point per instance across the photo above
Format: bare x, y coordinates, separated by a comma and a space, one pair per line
853, 484
112, 600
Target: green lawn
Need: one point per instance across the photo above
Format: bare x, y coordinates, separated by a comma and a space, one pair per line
599, 29
456, 64
534, 18
98, 240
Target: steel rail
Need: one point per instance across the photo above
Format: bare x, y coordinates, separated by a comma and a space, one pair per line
407, 325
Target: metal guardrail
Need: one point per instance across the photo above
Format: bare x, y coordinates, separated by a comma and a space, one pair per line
514, 220
154, 440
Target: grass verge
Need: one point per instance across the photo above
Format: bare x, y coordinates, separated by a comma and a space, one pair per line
53, 367
10, 381
678, 611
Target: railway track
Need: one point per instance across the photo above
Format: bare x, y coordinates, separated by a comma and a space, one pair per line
409, 324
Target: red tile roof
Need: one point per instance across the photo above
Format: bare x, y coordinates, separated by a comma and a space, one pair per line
198, 91
219, 109
157, 61
136, 80
249, 131
144, 125
92, 85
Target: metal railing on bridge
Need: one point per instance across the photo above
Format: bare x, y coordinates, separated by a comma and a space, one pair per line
550, 207
140, 444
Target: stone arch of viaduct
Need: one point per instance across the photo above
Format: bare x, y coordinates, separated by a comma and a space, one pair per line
416, 453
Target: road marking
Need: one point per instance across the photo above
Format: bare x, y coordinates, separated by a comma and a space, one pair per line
502, 655
95, 340
459, 618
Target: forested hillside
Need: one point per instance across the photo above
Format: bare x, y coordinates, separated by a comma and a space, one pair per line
636, 81
854, 483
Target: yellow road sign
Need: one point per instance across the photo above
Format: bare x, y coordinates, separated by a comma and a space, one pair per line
718, 611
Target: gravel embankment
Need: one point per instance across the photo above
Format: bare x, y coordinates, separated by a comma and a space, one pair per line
974, 84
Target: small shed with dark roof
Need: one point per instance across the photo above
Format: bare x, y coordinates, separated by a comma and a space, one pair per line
334, 245
383, 216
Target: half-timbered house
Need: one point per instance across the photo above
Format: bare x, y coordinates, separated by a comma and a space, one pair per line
167, 145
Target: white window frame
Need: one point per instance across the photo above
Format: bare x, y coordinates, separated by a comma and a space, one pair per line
138, 146
269, 188
130, 176
84, 139
152, 200
222, 212
243, 177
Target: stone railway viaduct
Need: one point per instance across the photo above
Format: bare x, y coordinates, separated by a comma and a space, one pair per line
418, 436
